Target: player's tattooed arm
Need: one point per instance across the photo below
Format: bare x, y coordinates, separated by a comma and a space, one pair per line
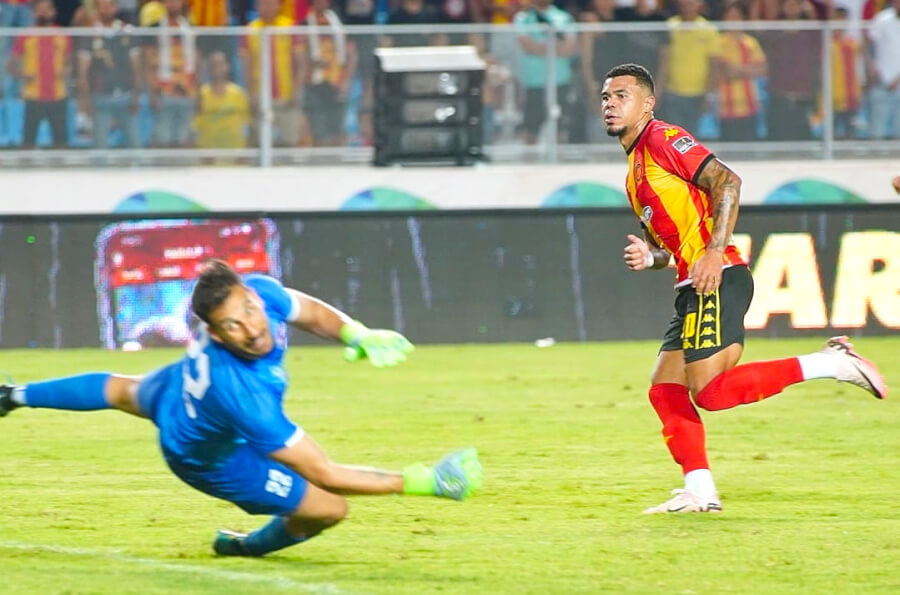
724, 189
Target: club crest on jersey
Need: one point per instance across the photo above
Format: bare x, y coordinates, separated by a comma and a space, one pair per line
638, 172
684, 144
670, 132
646, 214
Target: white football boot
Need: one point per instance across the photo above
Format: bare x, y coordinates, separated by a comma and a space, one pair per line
854, 368
685, 501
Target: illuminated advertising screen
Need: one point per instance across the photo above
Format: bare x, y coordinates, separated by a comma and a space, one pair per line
145, 272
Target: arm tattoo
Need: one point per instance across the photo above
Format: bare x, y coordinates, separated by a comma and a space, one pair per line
724, 189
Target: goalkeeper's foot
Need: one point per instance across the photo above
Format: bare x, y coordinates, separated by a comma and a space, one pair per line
685, 501
458, 475
6, 402
229, 543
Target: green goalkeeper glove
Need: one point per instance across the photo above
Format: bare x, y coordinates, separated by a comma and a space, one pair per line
381, 347
456, 476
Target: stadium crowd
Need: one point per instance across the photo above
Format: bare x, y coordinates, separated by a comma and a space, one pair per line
142, 73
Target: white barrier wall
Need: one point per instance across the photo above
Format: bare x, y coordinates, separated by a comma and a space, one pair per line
367, 188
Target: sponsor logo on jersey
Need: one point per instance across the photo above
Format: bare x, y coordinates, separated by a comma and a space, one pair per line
646, 214
670, 132
684, 144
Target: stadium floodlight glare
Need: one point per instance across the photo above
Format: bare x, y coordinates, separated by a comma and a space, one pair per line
428, 105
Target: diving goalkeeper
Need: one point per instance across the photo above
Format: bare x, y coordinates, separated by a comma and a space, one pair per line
222, 429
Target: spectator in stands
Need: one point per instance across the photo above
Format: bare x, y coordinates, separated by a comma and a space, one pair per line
458, 12
534, 65
296, 10
67, 10
43, 65
770, 10
328, 67
171, 65
642, 47
210, 13
500, 12
362, 12
687, 66
411, 12
13, 13
223, 110
883, 68
846, 89
151, 13
741, 63
285, 74
794, 79
109, 76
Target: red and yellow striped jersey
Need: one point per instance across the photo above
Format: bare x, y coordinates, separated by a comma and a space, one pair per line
286, 49
45, 66
846, 88
663, 165
738, 97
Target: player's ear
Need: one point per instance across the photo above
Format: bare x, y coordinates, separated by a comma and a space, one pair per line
213, 334
649, 103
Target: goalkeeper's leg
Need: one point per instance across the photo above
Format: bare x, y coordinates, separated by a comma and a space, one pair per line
318, 511
84, 392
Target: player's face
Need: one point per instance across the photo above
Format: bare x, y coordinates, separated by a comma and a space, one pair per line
624, 103
241, 324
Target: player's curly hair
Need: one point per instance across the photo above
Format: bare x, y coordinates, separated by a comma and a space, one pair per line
643, 76
213, 287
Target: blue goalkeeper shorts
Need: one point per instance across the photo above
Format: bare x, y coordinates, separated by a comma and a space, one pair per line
248, 479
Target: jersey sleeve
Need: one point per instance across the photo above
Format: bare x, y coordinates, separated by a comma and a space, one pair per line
260, 419
278, 300
678, 152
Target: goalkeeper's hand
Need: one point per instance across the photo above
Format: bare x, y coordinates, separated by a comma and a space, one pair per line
382, 347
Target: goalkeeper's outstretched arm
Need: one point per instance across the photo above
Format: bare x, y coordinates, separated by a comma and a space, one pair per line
381, 347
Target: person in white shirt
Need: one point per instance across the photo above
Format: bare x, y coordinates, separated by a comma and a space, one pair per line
883, 70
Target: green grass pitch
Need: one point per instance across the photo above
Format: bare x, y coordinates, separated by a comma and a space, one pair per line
572, 453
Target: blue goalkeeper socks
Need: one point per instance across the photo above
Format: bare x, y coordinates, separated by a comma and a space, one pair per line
75, 393
270, 537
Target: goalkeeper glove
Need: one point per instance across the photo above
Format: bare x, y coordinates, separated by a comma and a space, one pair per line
456, 476
381, 347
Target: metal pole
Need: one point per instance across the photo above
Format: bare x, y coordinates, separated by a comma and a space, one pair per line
827, 94
265, 98
551, 136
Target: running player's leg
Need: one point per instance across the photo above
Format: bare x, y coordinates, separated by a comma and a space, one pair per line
84, 392
682, 430
716, 345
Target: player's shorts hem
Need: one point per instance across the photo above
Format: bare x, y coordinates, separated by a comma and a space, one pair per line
695, 355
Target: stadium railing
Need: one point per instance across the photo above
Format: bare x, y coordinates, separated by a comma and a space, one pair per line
330, 122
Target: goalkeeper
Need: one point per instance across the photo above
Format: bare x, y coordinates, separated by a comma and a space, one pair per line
222, 429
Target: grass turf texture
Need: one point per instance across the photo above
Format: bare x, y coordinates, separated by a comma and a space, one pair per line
572, 454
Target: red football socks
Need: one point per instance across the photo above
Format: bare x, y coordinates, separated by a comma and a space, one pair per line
682, 428
749, 383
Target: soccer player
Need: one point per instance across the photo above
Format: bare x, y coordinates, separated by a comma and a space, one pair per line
222, 429
687, 201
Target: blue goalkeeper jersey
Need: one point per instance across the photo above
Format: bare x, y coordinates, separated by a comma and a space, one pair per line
211, 401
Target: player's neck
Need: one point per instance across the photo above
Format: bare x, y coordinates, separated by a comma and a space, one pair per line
632, 135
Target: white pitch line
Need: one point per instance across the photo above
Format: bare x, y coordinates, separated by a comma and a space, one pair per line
234, 575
